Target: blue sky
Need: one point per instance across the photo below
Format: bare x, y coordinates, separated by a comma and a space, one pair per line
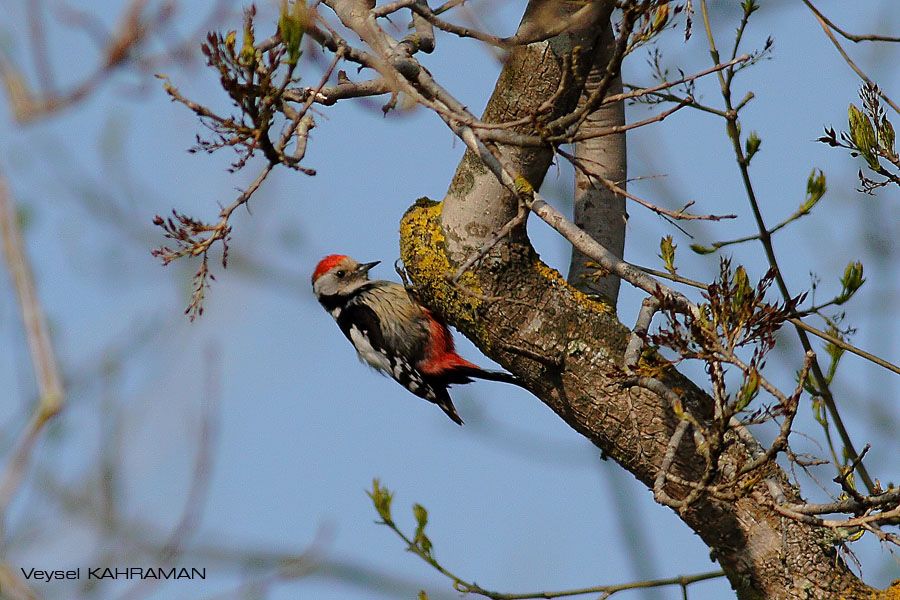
518, 501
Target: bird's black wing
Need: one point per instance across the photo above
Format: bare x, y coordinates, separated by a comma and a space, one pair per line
359, 316
363, 318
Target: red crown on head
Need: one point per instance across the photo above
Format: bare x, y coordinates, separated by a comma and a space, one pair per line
327, 264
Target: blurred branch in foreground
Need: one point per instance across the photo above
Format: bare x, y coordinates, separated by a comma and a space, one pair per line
46, 371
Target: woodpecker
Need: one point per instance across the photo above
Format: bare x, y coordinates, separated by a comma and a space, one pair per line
394, 334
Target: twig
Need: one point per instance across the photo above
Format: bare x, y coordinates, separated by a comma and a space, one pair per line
46, 371
449, 4
827, 29
118, 50
887, 516
297, 121
466, 587
670, 215
643, 91
793, 321
659, 483
766, 241
869, 37
843, 479
344, 89
494, 133
789, 406
799, 213
504, 231
193, 506
391, 7
649, 306
890, 498
607, 590
582, 17
670, 97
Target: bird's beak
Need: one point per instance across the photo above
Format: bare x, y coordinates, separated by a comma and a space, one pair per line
366, 267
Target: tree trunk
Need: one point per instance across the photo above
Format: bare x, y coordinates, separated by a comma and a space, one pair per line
598, 210
568, 347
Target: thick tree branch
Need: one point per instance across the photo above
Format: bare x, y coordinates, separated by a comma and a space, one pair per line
599, 211
539, 68
574, 349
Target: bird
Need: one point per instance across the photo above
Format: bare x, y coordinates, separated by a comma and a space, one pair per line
395, 334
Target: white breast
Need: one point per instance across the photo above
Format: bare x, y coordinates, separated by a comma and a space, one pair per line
368, 354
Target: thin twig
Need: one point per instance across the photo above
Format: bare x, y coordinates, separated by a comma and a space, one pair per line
649, 306
199, 488
46, 371
799, 213
466, 587
670, 215
583, 17
504, 231
869, 37
793, 321
827, 29
344, 89
659, 484
766, 241
643, 91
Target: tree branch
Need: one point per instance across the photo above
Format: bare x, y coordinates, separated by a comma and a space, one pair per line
43, 359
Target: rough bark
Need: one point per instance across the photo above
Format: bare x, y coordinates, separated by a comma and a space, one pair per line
568, 347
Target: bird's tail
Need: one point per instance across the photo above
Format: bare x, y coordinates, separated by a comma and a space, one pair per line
454, 369
490, 375
443, 400
464, 374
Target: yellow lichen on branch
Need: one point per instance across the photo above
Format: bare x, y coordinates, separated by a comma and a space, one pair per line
891, 593
462, 303
592, 303
423, 252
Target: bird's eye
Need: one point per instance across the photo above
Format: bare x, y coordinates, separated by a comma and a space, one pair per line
340, 274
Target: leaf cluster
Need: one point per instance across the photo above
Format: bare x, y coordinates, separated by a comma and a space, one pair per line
735, 314
192, 237
869, 135
255, 76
